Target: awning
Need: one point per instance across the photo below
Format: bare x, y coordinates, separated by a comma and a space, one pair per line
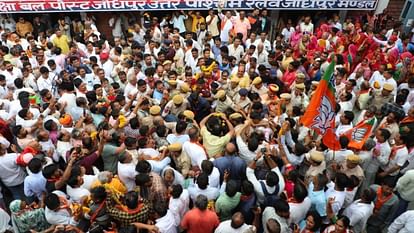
31, 6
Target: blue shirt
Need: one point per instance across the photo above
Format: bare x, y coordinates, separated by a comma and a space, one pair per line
157, 95
35, 185
318, 200
235, 165
216, 51
201, 108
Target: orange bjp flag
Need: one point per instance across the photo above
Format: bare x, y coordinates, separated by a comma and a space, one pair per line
320, 114
360, 133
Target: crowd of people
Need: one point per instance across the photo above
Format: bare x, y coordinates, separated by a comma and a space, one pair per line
189, 123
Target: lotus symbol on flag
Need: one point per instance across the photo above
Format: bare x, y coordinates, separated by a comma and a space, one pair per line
323, 121
358, 134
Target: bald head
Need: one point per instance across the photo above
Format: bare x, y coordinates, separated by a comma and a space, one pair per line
272, 226
158, 121
193, 133
230, 149
237, 220
260, 47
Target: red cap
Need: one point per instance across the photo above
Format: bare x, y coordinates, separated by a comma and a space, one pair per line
393, 38
104, 56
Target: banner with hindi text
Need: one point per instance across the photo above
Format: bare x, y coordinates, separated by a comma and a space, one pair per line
31, 6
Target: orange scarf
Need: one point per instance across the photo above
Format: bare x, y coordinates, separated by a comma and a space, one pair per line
407, 120
394, 151
380, 199
223, 22
363, 92
134, 211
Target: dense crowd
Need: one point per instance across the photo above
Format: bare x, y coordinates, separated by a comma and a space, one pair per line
189, 123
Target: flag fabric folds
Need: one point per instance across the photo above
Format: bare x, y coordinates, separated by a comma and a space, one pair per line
360, 133
320, 114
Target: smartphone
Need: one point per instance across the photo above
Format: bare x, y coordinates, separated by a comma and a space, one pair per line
263, 150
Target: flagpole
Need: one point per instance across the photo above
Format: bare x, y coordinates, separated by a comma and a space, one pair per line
334, 124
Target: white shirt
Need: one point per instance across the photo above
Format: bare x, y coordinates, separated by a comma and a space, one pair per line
4, 221
382, 159
196, 153
225, 227
298, 211
399, 159
25, 123
178, 22
214, 178
306, 27
88, 180
346, 105
127, 173
149, 151
63, 147
262, 58
376, 76
130, 90
342, 129
266, 44
258, 187
30, 82
61, 216
89, 80
210, 192
189, 59
349, 197
178, 177
4, 91
11, 174
393, 83
167, 223
403, 224
244, 151
47, 146
236, 52
115, 24
77, 194
108, 67
179, 206
70, 100
338, 195
339, 155
173, 138
228, 25
358, 214
293, 159
287, 33
43, 83
11, 76
139, 36
250, 42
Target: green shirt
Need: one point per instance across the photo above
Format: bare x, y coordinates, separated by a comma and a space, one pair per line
226, 204
110, 159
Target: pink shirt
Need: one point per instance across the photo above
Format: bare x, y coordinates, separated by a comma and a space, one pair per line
242, 26
288, 78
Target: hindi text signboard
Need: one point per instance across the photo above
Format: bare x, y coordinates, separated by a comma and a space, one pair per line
30, 6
